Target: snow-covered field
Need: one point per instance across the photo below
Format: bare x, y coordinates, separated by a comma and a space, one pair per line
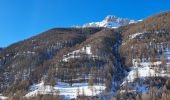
72, 92
64, 89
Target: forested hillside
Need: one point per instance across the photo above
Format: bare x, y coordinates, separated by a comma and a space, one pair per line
128, 62
145, 53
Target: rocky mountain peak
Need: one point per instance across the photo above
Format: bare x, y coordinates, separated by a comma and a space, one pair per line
110, 21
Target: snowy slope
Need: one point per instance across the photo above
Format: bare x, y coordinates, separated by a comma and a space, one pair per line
111, 22
143, 70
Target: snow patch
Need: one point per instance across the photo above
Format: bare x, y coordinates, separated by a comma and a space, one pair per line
41, 89
76, 53
135, 35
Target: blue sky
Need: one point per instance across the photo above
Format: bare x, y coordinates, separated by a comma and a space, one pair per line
21, 19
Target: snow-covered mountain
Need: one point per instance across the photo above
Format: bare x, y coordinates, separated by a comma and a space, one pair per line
132, 61
110, 22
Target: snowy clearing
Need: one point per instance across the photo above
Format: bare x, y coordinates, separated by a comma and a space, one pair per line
64, 89
76, 53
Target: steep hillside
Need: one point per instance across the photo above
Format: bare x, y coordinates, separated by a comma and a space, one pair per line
90, 63
63, 55
145, 53
159, 23
72, 56
152, 32
24, 61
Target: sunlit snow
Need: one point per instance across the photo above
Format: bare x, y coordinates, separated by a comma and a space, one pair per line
76, 53
64, 89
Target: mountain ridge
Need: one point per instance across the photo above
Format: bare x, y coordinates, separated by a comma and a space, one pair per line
110, 21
